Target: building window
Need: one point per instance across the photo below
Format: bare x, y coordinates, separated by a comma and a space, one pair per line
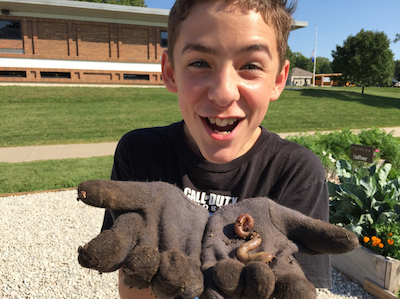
55, 75
10, 30
136, 77
13, 74
164, 39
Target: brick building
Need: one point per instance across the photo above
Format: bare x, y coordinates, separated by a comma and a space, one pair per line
82, 42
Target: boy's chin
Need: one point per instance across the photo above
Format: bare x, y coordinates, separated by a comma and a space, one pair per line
219, 157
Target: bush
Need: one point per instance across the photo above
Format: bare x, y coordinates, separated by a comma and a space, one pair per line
368, 204
337, 145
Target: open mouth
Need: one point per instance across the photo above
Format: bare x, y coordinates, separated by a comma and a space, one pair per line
223, 126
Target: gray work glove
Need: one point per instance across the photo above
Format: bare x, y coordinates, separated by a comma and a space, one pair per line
283, 232
156, 240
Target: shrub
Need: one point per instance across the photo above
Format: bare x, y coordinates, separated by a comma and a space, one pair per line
368, 204
338, 145
388, 145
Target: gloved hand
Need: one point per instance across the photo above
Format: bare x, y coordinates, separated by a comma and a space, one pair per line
283, 232
156, 239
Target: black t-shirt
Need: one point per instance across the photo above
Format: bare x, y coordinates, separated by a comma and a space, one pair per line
282, 170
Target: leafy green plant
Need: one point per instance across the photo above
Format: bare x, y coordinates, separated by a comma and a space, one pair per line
337, 145
388, 145
364, 198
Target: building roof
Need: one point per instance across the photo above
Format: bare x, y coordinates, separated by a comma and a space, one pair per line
86, 11
328, 75
298, 72
96, 12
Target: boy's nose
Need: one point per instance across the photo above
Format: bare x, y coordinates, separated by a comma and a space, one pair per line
224, 88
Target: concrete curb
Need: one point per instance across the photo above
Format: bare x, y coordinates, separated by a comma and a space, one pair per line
395, 130
34, 192
56, 152
87, 150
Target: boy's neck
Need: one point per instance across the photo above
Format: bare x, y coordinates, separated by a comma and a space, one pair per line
190, 141
193, 146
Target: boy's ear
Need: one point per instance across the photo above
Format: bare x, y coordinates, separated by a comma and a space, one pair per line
280, 81
168, 72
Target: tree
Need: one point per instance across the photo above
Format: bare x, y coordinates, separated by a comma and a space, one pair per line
397, 70
302, 62
397, 38
364, 59
323, 66
120, 2
290, 57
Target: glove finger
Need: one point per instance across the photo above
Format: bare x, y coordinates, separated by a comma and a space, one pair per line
294, 286
121, 195
260, 281
229, 277
172, 276
324, 237
140, 267
109, 249
195, 284
315, 234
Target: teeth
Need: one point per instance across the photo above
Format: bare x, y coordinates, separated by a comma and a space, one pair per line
222, 133
222, 122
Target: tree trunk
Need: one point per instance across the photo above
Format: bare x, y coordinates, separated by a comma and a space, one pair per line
362, 89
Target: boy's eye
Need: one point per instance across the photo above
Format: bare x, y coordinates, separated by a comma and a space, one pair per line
251, 66
199, 64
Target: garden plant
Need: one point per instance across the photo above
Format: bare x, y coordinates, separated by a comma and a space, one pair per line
365, 198
367, 203
337, 145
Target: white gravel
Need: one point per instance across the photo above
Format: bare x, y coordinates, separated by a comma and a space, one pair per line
39, 237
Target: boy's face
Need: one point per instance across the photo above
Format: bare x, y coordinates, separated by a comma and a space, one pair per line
225, 74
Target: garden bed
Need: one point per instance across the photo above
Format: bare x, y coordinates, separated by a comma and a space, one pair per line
362, 264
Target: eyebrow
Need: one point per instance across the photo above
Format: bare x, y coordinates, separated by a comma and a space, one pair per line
209, 50
198, 48
255, 48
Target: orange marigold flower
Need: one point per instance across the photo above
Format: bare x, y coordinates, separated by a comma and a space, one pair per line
390, 241
377, 240
374, 243
366, 239
380, 245
373, 238
390, 234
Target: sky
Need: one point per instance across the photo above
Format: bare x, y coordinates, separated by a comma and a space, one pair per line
336, 21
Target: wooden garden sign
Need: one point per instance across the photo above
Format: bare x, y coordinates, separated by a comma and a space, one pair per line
362, 153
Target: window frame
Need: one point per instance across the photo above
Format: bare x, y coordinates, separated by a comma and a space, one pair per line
142, 77
164, 40
7, 36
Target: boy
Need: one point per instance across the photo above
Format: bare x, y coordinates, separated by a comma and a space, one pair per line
226, 62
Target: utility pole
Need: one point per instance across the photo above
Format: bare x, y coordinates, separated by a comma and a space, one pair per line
315, 53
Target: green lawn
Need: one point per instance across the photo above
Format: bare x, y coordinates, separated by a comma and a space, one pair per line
320, 109
58, 115
52, 174
54, 115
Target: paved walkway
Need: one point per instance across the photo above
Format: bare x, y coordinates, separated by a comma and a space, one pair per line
67, 151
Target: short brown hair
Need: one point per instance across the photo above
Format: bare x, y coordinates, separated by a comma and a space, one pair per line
278, 12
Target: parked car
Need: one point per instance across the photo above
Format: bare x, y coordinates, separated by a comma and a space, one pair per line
395, 83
